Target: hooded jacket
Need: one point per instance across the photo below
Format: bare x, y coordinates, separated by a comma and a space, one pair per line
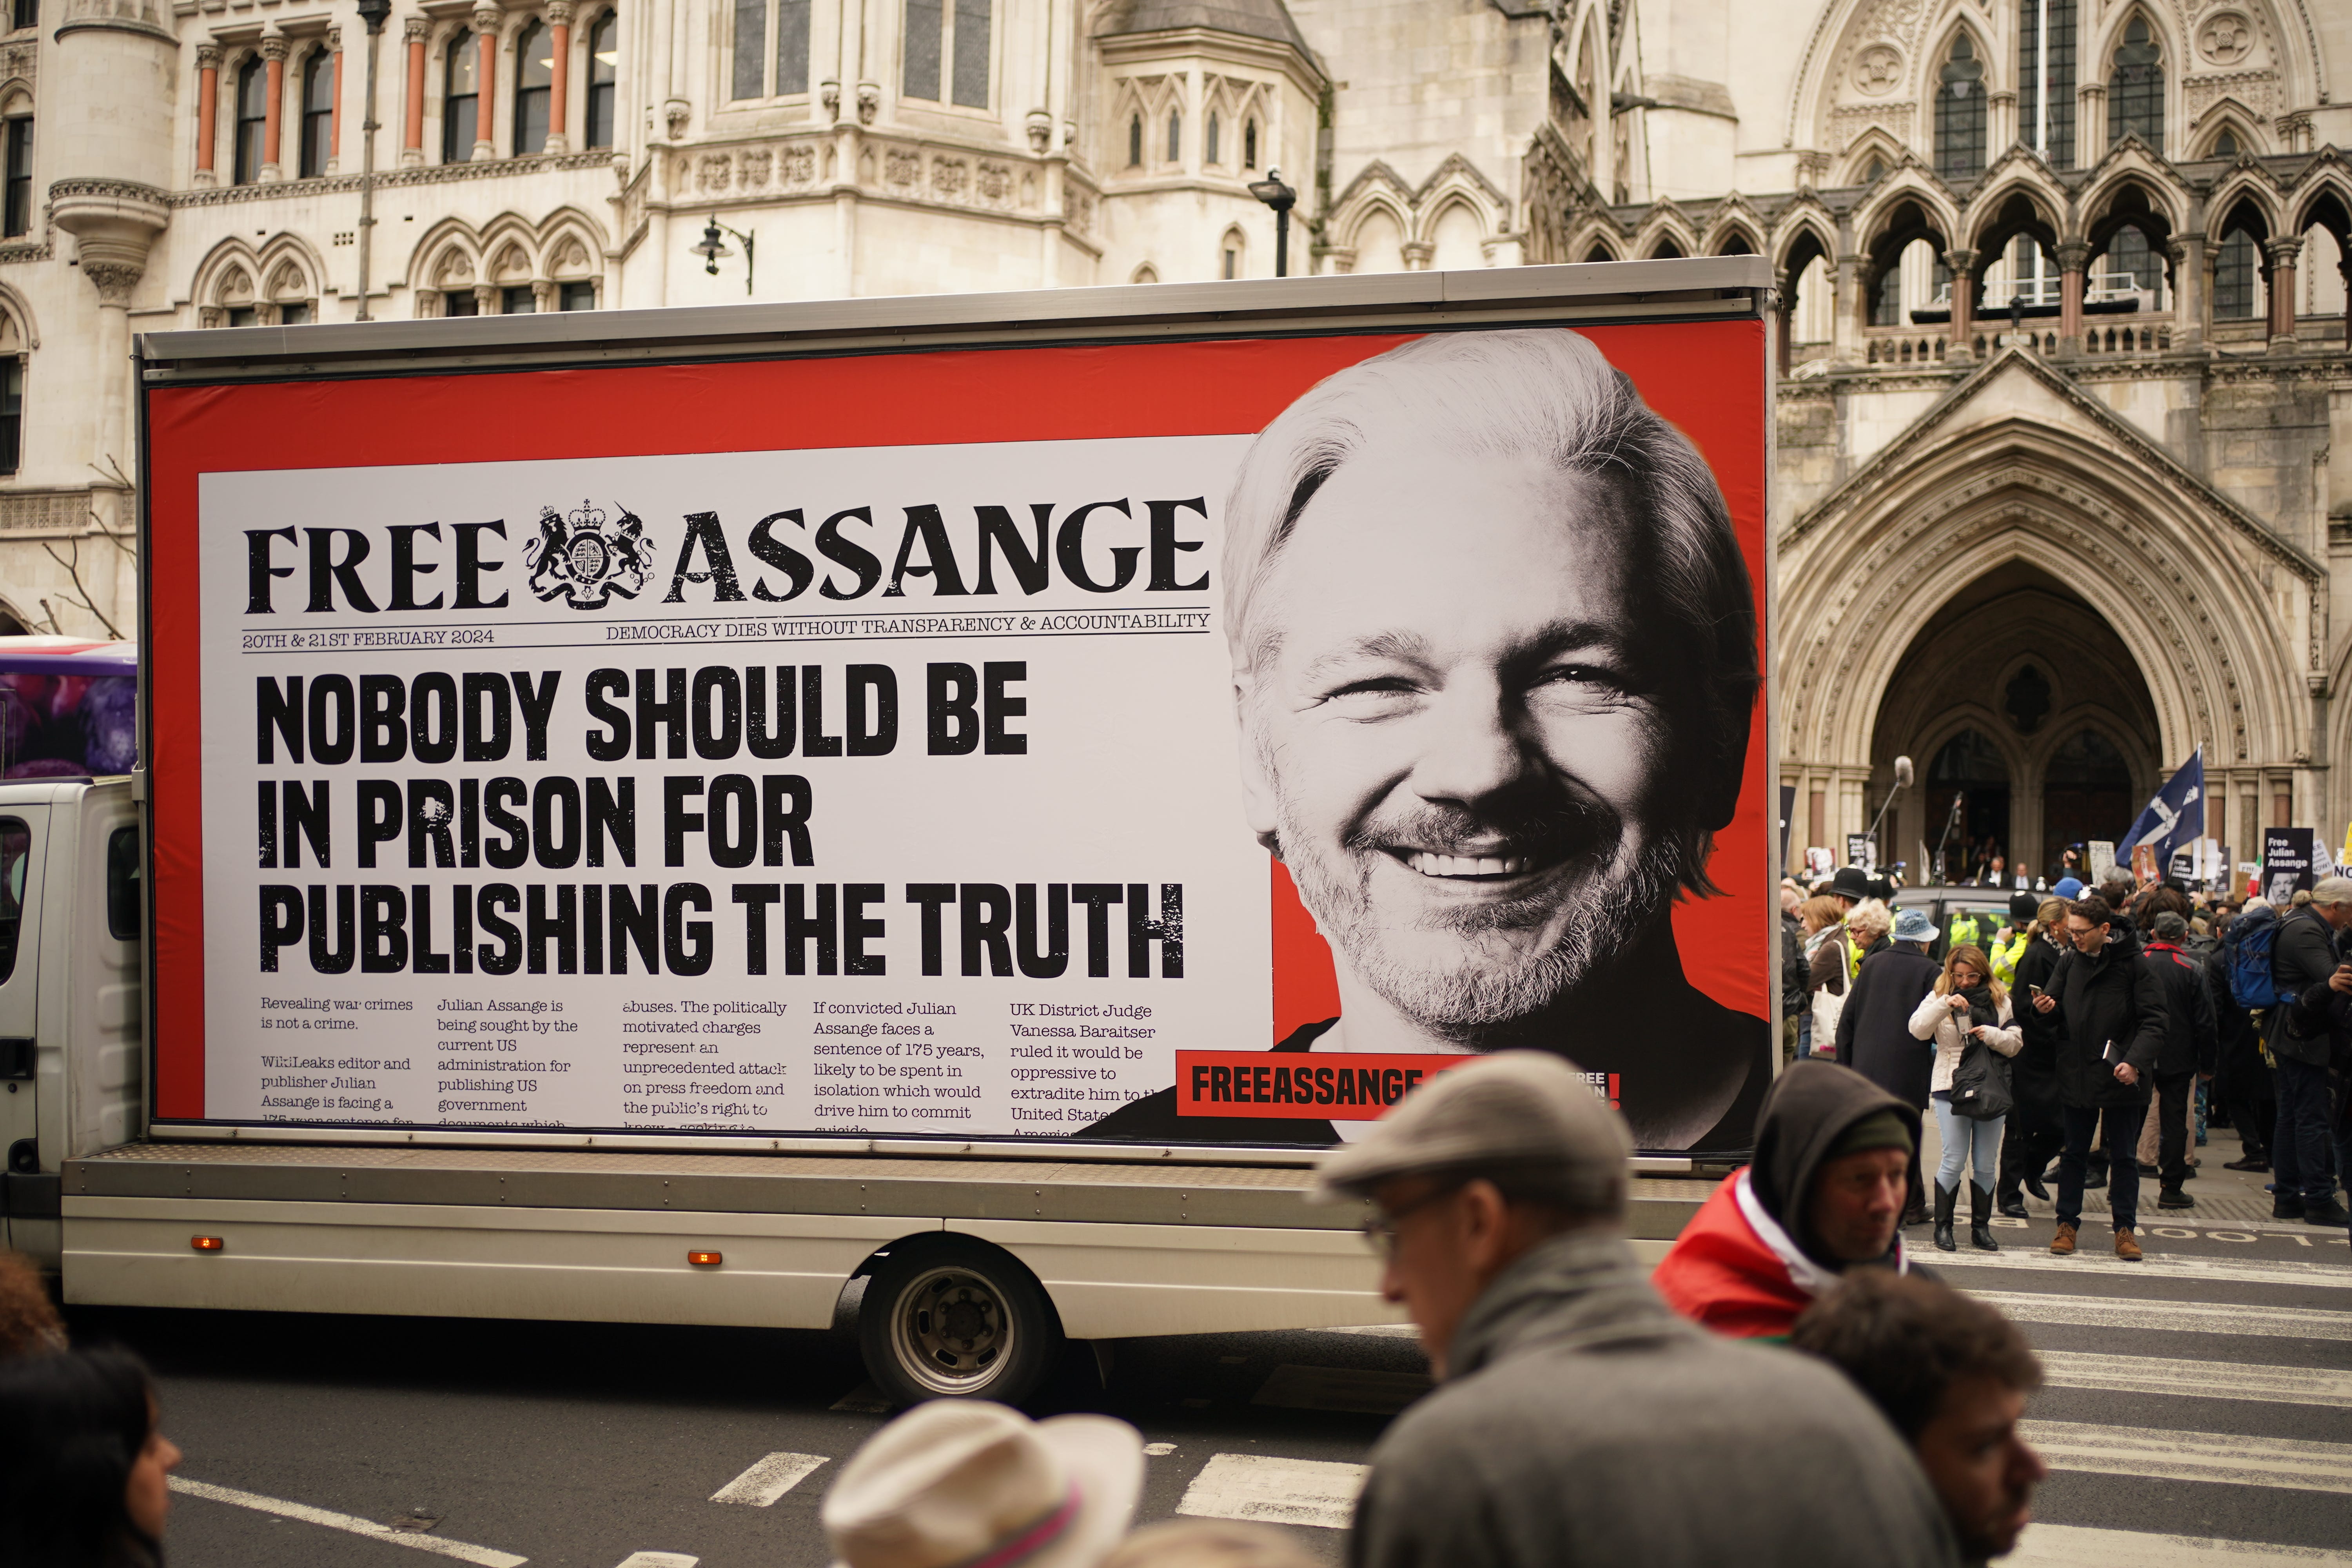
1749, 1262
1580, 1421
1874, 1030
2112, 1010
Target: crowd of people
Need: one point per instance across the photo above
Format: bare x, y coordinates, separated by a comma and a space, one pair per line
2103, 1029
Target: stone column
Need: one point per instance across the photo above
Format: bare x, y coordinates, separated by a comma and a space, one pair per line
208, 59
411, 130
1962, 350
2002, 122
558, 24
2090, 123
486, 28
273, 123
2191, 293
486, 298
2072, 257
1849, 309
2284, 253
335, 120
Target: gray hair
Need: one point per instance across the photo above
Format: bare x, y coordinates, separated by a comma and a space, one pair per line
1545, 391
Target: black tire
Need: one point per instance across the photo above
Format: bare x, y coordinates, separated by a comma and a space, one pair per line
956, 1319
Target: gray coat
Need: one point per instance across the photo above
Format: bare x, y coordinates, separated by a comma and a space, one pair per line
1674, 1449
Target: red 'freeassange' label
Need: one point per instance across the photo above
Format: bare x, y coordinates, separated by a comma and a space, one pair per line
1336, 1086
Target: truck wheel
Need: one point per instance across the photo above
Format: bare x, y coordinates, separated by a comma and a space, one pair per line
956, 1319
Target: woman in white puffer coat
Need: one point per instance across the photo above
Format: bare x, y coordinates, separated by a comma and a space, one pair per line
1967, 1002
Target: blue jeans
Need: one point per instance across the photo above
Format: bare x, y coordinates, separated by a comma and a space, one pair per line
1961, 1135
2301, 1157
2120, 1125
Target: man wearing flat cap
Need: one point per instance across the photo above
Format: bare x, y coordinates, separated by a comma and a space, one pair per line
1577, 1418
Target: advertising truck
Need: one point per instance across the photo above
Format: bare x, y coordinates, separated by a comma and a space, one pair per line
659, 817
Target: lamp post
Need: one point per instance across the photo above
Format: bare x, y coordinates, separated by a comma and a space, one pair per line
1281, 198
372, 13
712, 247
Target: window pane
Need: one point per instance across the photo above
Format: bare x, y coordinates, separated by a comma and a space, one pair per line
1960, 113
2233, 278
458, 99
519, 301
604, 70
15, 856
242, 316
791, 46
751, 48
11, 414
1175, 137
579, 297
20, 178
319, 80
925, 21
458, 302
537, 52
26, 14
253, 90
2056, 131
1213, 128
972, 20
122, 884
2136, 90
464, 62
294, 315
1249, 145
1135, 142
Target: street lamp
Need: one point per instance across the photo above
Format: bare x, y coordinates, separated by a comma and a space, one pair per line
1281, 198
712, 247
374, 13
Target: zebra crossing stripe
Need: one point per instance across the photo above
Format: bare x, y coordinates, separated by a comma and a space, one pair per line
1316, 1492
2159, 1266
2198, 1379
769, 1480
2173, 1317
2152, 1454
2073, 1546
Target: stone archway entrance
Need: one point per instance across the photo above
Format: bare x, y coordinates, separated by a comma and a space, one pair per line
2020, 702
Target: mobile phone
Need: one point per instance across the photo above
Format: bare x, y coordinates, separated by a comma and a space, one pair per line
2035, 989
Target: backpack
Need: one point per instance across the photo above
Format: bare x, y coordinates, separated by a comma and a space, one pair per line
2251, 940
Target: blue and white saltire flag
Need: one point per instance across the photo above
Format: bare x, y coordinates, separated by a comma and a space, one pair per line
2175, 819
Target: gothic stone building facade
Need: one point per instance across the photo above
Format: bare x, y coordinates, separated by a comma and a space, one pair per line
2065, 415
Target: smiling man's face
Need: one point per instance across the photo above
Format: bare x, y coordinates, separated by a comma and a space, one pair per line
1462, 739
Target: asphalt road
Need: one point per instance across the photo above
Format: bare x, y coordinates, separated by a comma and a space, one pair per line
584, 1444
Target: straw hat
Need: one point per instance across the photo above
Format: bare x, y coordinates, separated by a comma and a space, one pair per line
967, 1484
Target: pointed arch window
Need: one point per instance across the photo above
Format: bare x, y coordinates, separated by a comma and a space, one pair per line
1960, 112
603, 78
534, 86
2045, 79
2225, 145
1211, 154
19, 203
318, 113
460, 96
1249, 145
2234, 271
252, 116
1135, 142
2136, 89
1175, 137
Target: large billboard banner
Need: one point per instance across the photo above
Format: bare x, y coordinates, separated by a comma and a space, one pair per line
1165, 743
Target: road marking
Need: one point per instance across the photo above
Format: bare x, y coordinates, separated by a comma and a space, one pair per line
1159, 1450
2173, 1317
2150, 1453
1382, 1331
1361, 1391
2073, 1546
2160, 1266
2198, 1379
658, 1560
1316, 1492
303, 1511
769, 1480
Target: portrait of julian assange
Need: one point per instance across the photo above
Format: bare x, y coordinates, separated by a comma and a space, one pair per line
1495, 659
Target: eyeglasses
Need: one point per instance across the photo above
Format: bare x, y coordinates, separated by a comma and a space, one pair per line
1380, 1227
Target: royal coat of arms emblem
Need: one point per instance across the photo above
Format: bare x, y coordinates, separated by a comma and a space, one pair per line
578, 559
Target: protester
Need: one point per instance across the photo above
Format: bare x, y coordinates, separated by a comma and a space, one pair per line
1794, 993
2067, 887
2011, 941
1866, 927
966, 1481
2309, 973
2190, 1051
1824, 1196
2248, 1085
29, 1319
1952, 1374
1211, 1543
1830, 960
82, 1462
1875, 1031
1848, 885
1499, 1189
2035, 1130
1967, 1006
2112, 1015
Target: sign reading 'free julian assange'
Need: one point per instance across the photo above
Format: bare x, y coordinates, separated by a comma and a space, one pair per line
1212, 780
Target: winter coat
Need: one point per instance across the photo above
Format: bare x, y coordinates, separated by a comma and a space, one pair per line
2190, 1038
1933, 1020
1581, 1425
2040, 1031
2231, 1023
1828, 957
2302, 957
1794, 989
2112, 999
1875, 1031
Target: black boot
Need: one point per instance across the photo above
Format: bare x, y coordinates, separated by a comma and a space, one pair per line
1980, 1220
2008, 1204
1947, 1199
2034, 1183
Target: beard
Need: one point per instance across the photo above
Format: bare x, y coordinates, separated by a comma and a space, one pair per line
1595, 905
